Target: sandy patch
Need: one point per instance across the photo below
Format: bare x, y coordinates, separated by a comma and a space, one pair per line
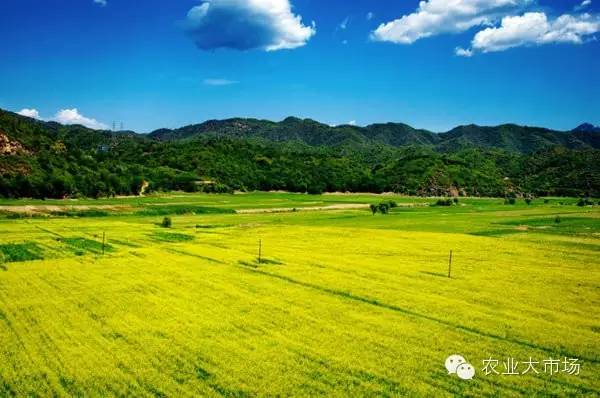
41, 209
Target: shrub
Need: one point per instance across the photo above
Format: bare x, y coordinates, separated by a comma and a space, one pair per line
585, 202
528, 201
455, 200
546, 201
166, 222
510, 201
557, 220
444, 202
384, 208
373, 208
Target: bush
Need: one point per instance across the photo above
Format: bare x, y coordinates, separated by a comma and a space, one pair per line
373, 208
166, 222
384, 208
444, 202
546, 201
510, 201
455, 200
557, 220
528, 201
585, 202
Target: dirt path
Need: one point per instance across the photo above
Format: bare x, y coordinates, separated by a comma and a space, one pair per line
312, 208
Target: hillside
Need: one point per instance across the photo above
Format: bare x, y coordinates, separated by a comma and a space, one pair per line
586, 128
48, 160
508, 137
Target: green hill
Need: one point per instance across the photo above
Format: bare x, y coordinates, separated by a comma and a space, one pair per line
48, 160
508, 137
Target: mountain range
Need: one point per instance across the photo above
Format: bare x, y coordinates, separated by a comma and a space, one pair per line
40, 159
509, 137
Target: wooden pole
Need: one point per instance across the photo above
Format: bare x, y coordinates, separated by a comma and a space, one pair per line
103, 241
450, 265
259, 250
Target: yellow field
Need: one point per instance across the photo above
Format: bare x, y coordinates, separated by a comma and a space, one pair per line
343, 304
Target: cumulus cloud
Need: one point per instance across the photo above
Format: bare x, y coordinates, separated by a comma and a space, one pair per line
534, 28
219, 82
72, 116
102, 3
66, 116
352, 123
434, 17
268, 25
370, 15
32, 113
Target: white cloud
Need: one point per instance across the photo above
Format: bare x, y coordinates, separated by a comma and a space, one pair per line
534, 28
72, 116
219, 82
462, 52
584, 4
269, 25
370, 16
434, 17
32, 113
103, 3
352, 122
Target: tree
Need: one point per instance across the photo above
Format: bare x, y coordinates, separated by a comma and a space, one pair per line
373, 208
384, 208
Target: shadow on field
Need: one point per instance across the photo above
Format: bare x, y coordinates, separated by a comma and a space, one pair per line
371, 301
438, 274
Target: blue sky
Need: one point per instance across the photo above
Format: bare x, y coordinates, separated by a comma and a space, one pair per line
151, 65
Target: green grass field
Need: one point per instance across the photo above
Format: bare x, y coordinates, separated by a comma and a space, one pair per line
343, 303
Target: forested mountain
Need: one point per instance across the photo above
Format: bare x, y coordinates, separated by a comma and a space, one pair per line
46, 159
586, 128
508, 137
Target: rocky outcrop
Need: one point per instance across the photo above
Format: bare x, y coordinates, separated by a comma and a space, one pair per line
9, 147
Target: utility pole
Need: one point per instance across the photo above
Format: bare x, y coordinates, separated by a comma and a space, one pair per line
450, 265
259, 250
